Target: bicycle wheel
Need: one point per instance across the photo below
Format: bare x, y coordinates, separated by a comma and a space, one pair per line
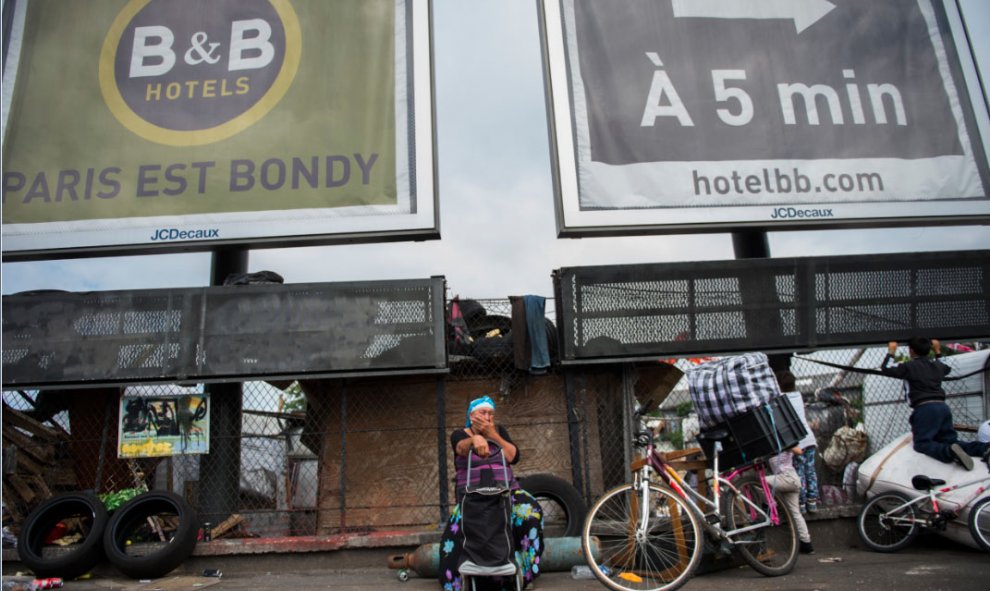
882, 528
660, 559
770, 550
979, 523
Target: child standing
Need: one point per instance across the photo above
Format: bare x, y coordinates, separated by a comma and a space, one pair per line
804, 462
785, 481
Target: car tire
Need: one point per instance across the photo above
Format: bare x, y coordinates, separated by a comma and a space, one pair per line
560, 493
157, 559
71, 561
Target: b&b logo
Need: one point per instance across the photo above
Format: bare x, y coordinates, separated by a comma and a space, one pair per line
187, 72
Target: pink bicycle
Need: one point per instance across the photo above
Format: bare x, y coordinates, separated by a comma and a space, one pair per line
647, 535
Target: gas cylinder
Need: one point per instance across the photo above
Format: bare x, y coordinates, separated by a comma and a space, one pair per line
559, 554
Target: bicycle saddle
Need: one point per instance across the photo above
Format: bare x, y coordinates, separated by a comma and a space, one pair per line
922, 482
714, 435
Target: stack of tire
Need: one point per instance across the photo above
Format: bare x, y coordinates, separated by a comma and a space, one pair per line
497, 349
106, 535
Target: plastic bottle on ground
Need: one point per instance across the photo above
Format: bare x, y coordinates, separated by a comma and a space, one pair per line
583, 572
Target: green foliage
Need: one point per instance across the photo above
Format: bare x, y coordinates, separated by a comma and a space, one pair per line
115, 499
676, 439
673, 433
295, 399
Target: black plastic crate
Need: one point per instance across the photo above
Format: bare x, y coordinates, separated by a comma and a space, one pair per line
758, 433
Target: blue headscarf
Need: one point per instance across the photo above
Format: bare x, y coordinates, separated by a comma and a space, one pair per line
483, 402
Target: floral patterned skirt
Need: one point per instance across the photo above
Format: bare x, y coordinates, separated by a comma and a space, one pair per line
527, 533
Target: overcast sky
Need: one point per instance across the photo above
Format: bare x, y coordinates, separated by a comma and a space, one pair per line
496, 199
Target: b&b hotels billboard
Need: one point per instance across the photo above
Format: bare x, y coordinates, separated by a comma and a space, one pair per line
136, 124
700, 115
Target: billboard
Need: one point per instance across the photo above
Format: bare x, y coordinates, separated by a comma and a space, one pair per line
135, 125
706, 115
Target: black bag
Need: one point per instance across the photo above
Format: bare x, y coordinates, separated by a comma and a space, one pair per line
485, 522
486, 515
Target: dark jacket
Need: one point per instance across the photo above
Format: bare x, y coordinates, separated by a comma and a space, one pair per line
923, 377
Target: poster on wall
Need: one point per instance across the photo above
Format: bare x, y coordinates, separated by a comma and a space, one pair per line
137, 125
162, 421
703, 115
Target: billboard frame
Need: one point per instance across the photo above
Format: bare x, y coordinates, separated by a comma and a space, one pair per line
417, 132
573, 222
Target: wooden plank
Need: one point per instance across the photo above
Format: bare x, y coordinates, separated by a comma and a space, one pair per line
18, 419
684, 454
22, 490
226, 525
26, 465
39, 450
38, 484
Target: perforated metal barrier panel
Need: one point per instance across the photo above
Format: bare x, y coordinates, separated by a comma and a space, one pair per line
643, 311
223, 333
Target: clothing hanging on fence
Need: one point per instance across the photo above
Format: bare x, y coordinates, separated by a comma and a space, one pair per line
531, 346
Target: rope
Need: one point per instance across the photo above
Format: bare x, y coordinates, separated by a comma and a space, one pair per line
877, 372
873, 477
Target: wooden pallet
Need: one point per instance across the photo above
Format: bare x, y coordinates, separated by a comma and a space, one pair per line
37, 463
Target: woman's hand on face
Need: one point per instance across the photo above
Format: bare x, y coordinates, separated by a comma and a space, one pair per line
489, 430
483, 425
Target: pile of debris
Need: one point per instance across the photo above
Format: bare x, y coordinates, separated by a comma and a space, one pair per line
36, 463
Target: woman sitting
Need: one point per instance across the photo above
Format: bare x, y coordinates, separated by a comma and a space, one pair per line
527, 516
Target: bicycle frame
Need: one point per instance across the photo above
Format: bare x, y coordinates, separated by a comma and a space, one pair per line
933, 495
654, 462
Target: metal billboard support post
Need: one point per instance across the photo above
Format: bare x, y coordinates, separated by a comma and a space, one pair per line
220, 470
573, 432
753, 244
750, 244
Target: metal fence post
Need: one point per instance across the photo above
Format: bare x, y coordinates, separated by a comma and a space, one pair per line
573, 434
343, 457
442, 449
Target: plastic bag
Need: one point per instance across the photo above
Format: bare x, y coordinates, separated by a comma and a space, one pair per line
848, 444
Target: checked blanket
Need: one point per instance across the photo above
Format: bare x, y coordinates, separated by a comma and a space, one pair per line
731, 386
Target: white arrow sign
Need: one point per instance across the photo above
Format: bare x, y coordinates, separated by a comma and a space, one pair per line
804, 12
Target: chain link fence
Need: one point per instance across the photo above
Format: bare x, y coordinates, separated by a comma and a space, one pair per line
322, 457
